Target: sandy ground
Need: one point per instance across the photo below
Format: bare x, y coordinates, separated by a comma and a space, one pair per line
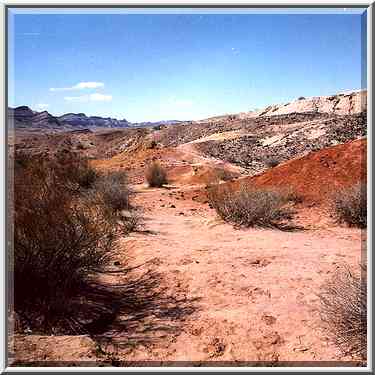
247, 295
201, 290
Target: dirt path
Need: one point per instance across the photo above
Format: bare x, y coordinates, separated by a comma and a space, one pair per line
189, 152
254, 290
223, 294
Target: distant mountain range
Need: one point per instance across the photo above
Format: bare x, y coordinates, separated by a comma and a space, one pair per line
25, 118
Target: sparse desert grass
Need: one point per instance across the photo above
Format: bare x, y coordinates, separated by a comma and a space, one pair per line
344, 310
249, 207
60, 239
156, 175
350, 205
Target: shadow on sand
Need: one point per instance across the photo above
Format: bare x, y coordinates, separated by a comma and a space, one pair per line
139, 311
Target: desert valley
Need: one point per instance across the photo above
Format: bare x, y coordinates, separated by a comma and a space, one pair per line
192, 275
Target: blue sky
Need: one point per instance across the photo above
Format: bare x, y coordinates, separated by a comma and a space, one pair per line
149, 67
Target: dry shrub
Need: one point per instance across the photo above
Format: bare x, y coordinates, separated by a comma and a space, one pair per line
344, 310
156, 175
60, 238
249, 207
114, 190
76, 170
272, 162
350, 205
292, 195
225, 175
131, 221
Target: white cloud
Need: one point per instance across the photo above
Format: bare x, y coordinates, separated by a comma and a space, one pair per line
79, 86
88, 85
100, 97
42, 106
87, 98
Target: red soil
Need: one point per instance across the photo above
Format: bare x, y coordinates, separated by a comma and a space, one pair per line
319, 174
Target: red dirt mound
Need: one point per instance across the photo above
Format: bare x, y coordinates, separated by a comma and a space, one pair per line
317, 175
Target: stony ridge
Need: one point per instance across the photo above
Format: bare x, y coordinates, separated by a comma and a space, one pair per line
25, 118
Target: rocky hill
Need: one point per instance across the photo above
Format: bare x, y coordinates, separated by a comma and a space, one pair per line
257, 140
256, 148
25, 118
81, 120
345, 103
339, 104
340, 165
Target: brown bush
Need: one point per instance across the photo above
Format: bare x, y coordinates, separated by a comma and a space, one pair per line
114, 190
156, 175
75, 171
344, 310
292, 196
131, 221
249, 207
60, 238
350, 205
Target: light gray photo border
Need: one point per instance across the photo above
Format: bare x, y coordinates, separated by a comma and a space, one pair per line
6, 168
